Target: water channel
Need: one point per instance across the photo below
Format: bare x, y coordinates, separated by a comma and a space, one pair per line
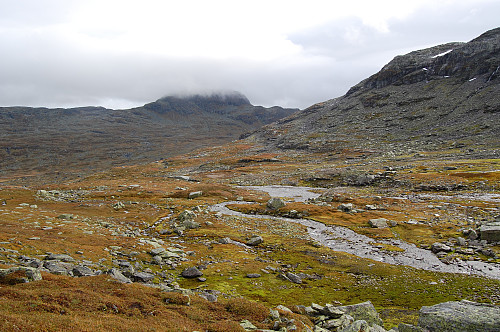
344, 239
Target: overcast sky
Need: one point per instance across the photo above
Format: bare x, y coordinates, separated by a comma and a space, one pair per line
121, 54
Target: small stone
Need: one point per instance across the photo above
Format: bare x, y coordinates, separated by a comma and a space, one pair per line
66, 216
253, 275
202, 279
157, 260
472, 235
195, 194
118, 206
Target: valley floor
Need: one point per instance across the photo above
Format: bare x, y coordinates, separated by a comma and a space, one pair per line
193, 266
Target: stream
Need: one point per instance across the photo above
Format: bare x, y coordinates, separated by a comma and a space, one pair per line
343, 239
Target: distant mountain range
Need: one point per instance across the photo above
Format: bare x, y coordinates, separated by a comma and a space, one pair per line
440, 98
54, 142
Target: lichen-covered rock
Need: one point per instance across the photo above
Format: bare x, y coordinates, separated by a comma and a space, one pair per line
195, 194
118, 206
247, 325
191, 272
143, 276
275, 203
463, 316
293, 277
378, 223
362, 311
357, 326
490, 232
255, 240
118, 275
19, 274
186, 219
345, 207
438, 247
82, 271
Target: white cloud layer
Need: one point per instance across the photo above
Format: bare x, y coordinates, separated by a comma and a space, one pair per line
63, 53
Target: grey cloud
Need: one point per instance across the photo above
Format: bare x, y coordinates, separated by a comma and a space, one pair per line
43, 70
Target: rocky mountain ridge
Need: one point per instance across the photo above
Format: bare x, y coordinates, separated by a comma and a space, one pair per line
442, 97
78, 140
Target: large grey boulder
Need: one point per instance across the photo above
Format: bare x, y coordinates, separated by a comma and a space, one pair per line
463, 316
186, 219
142, 277
346, 207
20, 274
438, 247
490, 232
275, 203
57, 267
255, 240
378, 223
82, 271
362, 311
191, 272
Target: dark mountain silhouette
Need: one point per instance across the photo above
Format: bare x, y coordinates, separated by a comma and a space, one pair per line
84, 139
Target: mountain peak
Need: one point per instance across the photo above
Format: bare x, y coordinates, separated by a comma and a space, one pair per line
463, 61
231, 98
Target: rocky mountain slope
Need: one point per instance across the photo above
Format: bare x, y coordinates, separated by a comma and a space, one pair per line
52, 141
447, 96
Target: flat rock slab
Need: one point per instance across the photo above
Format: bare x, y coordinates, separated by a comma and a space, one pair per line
378, 223
490, 232
463, 316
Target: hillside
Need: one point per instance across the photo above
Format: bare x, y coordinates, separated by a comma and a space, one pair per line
66, 142
443, 97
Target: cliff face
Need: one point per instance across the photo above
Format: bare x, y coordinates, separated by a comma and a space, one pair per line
440, 97
41, 140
